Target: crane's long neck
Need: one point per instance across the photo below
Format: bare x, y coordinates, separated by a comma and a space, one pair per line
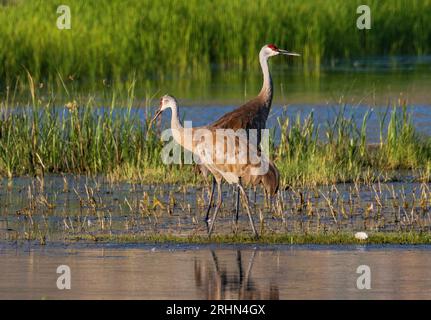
266, 92
177, 128
183, 136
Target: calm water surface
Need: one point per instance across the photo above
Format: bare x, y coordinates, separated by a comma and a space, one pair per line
370, 81
211, 272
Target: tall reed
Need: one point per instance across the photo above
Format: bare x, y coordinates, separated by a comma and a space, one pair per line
116, 38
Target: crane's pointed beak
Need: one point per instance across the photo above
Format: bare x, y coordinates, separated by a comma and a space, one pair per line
158, 113
288, 53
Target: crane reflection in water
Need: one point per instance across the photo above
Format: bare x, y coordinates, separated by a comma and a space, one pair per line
216, 281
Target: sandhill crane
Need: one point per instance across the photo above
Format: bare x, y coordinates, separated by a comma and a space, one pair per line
251, 115
243, 162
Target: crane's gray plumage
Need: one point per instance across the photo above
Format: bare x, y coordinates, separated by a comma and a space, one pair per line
253, 115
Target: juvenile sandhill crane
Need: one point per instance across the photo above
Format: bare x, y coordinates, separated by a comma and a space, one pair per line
252, 115
243, 162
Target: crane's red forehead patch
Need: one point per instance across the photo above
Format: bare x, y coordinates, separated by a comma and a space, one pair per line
272, 46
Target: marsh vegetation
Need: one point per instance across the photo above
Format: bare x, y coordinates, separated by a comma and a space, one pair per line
116, 39
78, 160
78, 208
83, 137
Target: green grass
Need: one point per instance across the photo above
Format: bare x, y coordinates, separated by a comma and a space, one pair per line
81, 138
283, 238
328, 238
113, 39
343, 154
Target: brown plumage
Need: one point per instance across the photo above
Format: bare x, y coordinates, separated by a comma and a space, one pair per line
270, 180
252, 114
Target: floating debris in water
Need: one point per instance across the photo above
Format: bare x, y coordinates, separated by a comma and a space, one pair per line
361, 236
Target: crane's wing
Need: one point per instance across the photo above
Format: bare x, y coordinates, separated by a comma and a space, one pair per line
229, 154
251, 115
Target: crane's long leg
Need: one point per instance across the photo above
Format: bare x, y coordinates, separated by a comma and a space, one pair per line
219, 201
237, 206
211, 200
250, 217
247, 278
240, 270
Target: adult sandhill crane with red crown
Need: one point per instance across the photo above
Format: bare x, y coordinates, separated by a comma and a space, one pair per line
252, 115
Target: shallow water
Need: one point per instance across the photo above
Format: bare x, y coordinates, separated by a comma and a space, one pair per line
58, 208
211, 272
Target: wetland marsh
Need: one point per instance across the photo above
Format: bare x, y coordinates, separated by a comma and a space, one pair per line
82, 182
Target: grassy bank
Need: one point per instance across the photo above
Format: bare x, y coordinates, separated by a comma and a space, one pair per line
84, 138
114, 39
284, 238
